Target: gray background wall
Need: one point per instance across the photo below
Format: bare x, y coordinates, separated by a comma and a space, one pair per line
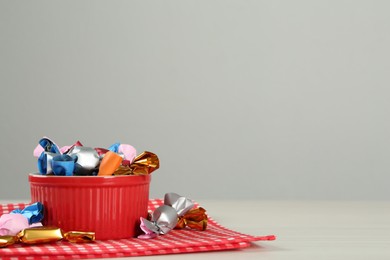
240, 99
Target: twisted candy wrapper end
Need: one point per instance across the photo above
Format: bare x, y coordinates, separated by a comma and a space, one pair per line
145, 163
46, 145
8, 240
148, 228
175, 213
195, 219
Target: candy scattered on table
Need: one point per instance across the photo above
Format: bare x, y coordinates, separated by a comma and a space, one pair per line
177, 212
23, 226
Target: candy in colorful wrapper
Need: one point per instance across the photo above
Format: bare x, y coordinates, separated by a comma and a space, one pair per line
86, 159
17, 220
110, 163
166, 217
47, 145
143, 164
15, 228
33, 213
38, 235
47, 150
80, 160
63, 164
11, 224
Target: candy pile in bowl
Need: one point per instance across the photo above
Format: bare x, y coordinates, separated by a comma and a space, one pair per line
80, 160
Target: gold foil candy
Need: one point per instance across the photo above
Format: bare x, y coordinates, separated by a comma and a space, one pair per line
145, 163
79, 236
8, 240
123, 170
195, 219
40, 235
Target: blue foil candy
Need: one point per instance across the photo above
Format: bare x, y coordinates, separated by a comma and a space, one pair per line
45, 162
33, 212
63, 165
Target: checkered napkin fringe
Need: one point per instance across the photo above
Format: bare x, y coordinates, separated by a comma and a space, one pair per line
216, 237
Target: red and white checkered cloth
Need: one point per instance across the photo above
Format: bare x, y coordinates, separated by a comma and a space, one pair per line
216, 237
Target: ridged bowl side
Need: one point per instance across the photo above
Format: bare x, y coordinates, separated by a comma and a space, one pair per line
110, 208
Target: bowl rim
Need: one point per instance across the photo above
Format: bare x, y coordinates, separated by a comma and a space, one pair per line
121, 180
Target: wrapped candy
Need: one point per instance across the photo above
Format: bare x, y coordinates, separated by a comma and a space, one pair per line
145, 163
11, 224
33, 212
173, 215
63, 164
17, 220
118, 159
86, 160
194, 218
110, 163
38, 235
23, 226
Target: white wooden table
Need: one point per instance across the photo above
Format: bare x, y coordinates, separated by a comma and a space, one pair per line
304, 229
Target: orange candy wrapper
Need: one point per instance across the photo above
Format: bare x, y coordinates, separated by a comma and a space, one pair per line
109, 163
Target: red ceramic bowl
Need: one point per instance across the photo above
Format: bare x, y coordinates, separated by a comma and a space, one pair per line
110, 206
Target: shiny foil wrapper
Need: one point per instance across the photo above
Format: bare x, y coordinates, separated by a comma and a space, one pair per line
79, 236
87, 160
8, 240
40, 235
143, 164
177, 212
123, 170
195, 219
118, 159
